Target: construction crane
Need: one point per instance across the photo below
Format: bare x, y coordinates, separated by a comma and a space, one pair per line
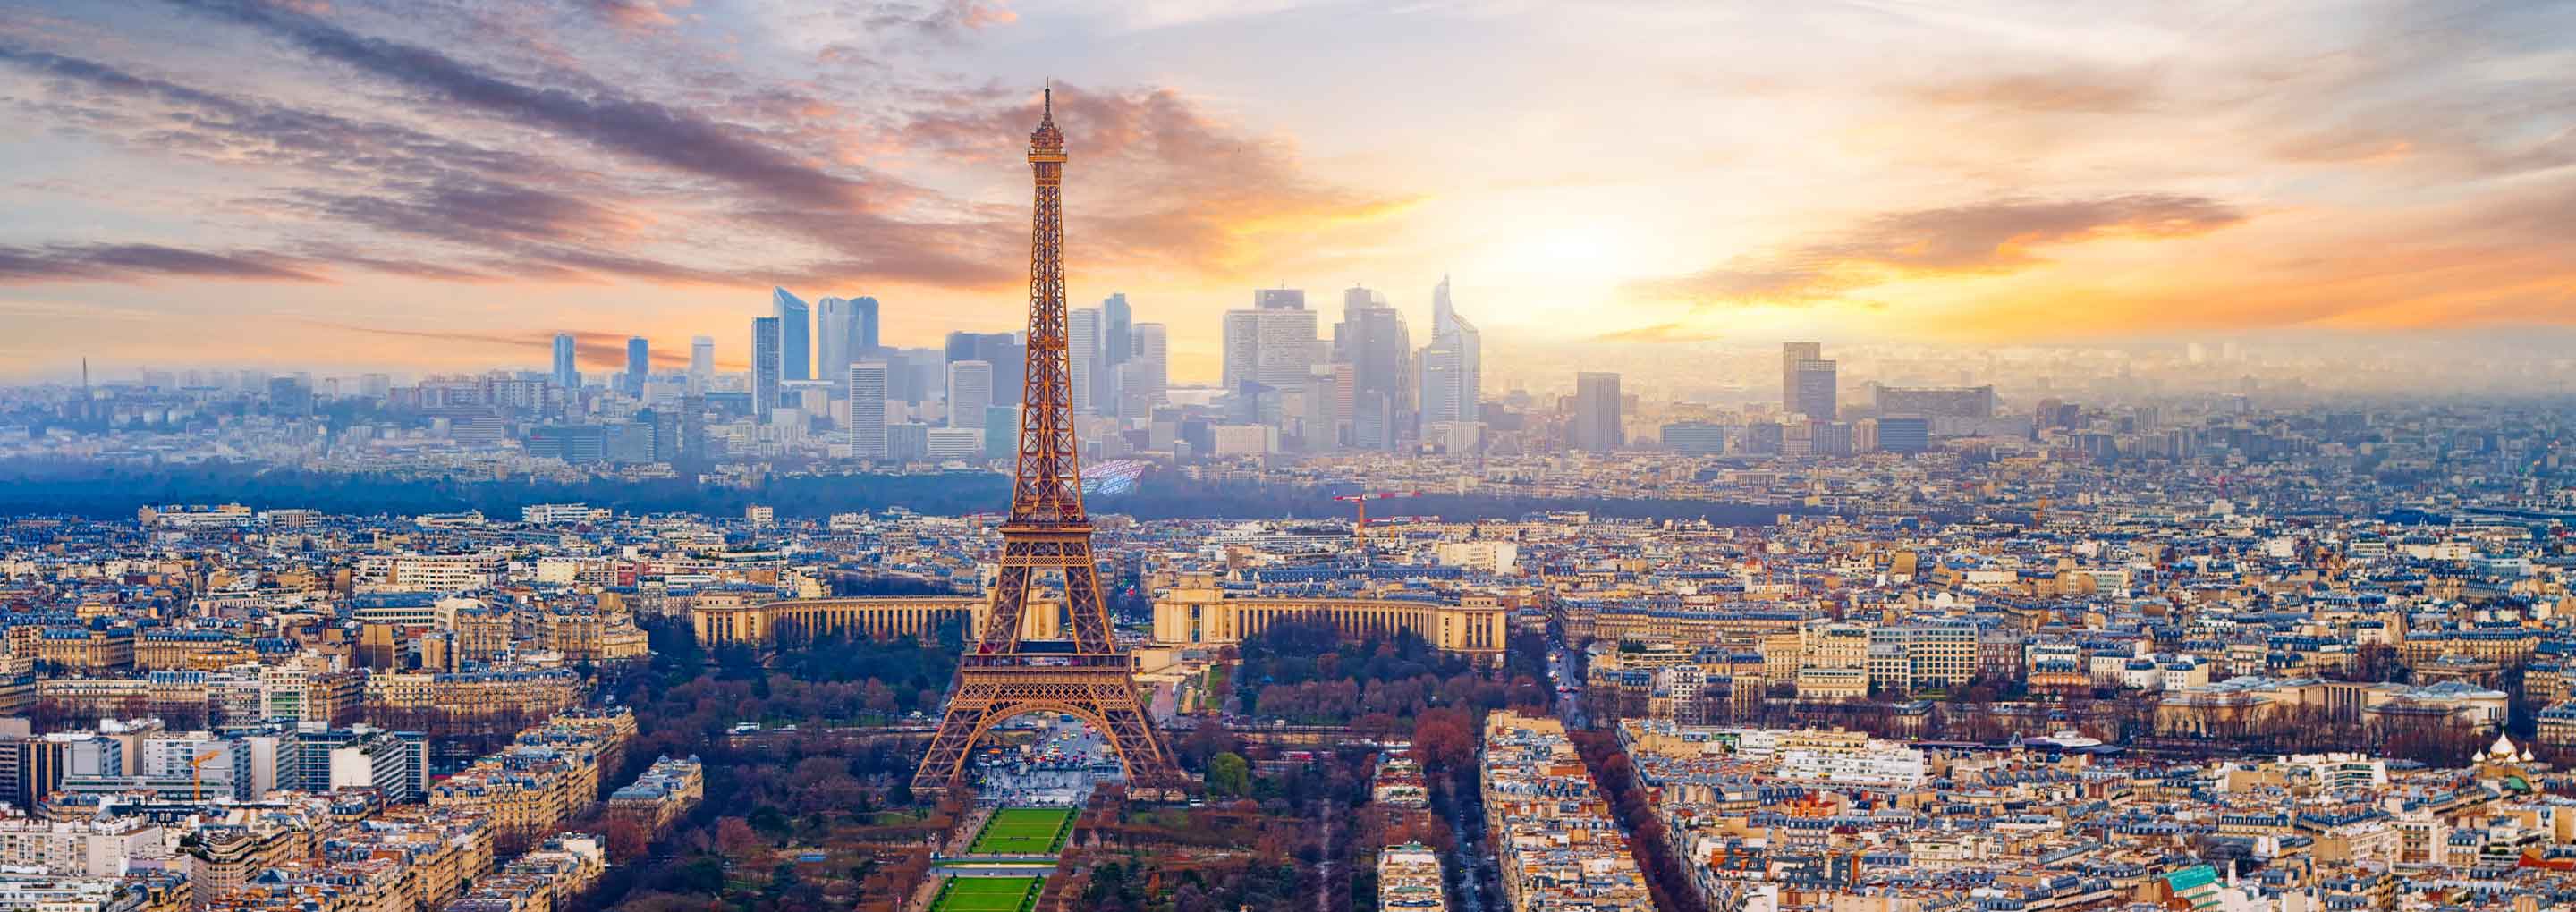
197, 773
1361, 501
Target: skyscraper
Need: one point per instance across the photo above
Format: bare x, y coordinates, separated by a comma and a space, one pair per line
1597, 423
1241, 357
1442, 383
1001, 431
702, 363
567, 370
1373, 340
764, 365
1001, 350
1452, 365
835, 328
970, 391
1790, 354
1149, 351
795, 335
1117, 330
1082, 346
1815, 390
1272, 344
639, 365
863, 327
867, 394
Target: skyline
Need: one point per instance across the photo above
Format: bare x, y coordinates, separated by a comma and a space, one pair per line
333, 181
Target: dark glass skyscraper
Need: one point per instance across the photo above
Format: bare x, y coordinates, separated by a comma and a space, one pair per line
1117, 328
764, 365
1815, 396
1791, 353
1598, 426
863, 327
1372, 339
639, 365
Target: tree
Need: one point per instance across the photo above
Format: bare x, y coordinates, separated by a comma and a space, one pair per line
1229, 774
1442, 740
735, 837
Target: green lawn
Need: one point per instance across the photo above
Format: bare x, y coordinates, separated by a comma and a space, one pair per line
987, 894
1024, 831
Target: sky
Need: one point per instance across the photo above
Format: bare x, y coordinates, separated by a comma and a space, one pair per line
441, 185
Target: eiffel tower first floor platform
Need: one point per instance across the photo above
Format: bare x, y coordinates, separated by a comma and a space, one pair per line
1102, 696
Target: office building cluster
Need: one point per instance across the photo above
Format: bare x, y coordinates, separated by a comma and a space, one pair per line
1285, 388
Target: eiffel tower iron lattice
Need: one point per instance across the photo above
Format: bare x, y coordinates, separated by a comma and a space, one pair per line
1047, 532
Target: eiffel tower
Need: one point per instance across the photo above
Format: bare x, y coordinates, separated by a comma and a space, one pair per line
1047, 533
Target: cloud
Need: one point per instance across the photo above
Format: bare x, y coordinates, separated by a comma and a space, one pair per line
591, 348
1161, 181
1987, 238
946, 20
141, 262
1163, 185
467, 209
1660, 332
650, 131
232, 129
2063, 90
415, 185
639, 15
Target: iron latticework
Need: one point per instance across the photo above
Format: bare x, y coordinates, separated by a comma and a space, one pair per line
1047, 534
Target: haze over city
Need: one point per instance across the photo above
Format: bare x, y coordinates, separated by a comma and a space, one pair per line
444, 185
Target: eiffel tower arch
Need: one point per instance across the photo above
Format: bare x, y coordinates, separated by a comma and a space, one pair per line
1047, 535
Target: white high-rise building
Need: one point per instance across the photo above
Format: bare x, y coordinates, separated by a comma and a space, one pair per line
1242, 353
702, 363
867, 395
1448, 328
970, 390
835, 328
1082, 341
1151, 353
1273, 343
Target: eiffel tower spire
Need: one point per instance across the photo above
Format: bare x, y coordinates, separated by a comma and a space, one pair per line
1047, 534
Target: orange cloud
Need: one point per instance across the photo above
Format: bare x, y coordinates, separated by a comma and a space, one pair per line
1163, 183
591, 348
1988, 238
2066, 90
1659, 332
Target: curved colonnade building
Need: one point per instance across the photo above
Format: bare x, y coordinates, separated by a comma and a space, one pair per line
1195, 613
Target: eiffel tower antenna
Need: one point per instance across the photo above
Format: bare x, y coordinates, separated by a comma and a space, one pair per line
1047, 533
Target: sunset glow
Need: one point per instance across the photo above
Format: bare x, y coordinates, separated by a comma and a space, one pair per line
439, 184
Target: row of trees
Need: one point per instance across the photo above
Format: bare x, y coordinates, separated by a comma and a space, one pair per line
1667, 874
1306, 673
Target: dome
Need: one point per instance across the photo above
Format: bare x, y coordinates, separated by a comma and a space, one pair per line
2502, 749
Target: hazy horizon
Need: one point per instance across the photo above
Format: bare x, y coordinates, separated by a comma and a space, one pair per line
442, 186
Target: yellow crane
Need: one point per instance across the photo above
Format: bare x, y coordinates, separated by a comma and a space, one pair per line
197, 774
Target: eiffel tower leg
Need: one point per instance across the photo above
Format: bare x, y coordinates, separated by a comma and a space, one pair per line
1131, 734
943, 768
